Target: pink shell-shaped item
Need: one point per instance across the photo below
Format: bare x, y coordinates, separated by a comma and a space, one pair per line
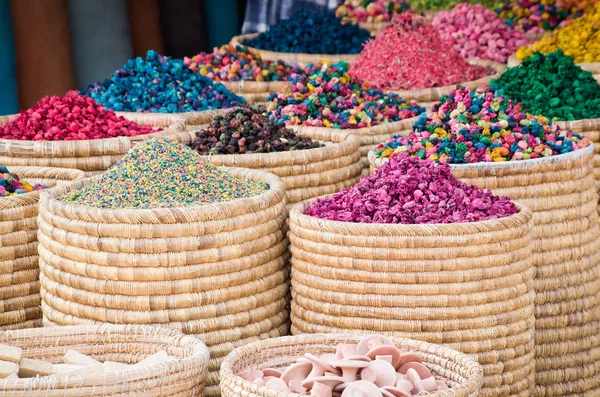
379, 372
296, 386
272, 372
320, 390
386, 350
421, 384
252, 374
350, 368
345, 350
319, 367
371, 341
361, 388
298, 371
408, 358
329, 381
422, 370
277, 384
395, 392
405, 386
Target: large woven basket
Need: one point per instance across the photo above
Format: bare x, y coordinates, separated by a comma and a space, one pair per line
290, 57
19, 281
562, 193
308, 173
254, 91
430, 96
217, 271
92, 155
466, 285
185, 376
369, 136
460, 371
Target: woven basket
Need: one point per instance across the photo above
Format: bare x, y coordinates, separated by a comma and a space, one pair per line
562, 193
467, 284
430, 96
369, 137
218, 271
182, 377
254, 91
19, 282
295, 58
460, 371
88, 155
307, 173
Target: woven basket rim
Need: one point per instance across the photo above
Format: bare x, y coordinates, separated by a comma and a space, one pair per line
227, 376
297, 215
195, 117
341, 139
201, 352
207, 211
378, 161
30, 172
365, 131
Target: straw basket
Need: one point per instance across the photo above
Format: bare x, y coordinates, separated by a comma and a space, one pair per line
19, 282
254, 91
561, 191
296, 58
92, 155
217, 271
458, 370
184, 376
369, 136
307, 173
466, 285
429, 96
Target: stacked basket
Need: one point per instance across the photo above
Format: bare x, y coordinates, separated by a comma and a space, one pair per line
459, 371
19, 283
96, 155
466, 285
308, 173
561, 191
183, 376
369, 136
217, 271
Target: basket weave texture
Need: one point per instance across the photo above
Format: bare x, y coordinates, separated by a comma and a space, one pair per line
297, 58
307, 173
460, 371
466, 285
19, 272
183, 377
217, 271
430, 96
562, 193
369, 136
254, 91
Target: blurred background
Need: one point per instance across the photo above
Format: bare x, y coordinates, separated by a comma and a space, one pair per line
48, 47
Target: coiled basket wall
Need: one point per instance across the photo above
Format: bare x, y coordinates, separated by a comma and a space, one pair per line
216, 271
562, 193
466, 285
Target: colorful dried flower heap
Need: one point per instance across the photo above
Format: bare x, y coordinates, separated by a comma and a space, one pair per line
490, 142
413, 252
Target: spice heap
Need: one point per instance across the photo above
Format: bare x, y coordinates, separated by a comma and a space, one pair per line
426, 60
162, 173
539, 15
481, 126
426, 5
374, 367
327, 96
552, 85
160, 84
580, 39
478, 32
238, 63
69, 118
370, 10
248, 131
12, 185
311, 32
412, 191
75, 364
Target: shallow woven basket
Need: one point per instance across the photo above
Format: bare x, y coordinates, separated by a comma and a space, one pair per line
562, 193
88, 155
19, 282
296, 58
430, 96
307, 173
217, 271
460, 371
369, 136
182, 377
467, 285
254, 91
